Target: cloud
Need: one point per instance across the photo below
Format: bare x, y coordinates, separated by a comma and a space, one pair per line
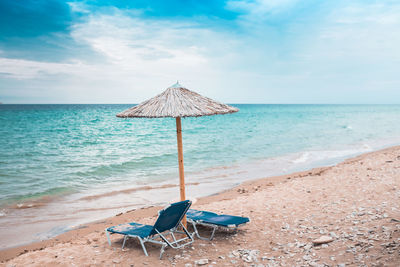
271, 52
21, 69
136, 55
360, 37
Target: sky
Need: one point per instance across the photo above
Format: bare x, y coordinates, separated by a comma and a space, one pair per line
234, 51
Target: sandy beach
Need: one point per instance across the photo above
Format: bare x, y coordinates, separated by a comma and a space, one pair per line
356, 204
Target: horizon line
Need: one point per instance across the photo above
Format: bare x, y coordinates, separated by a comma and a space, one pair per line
227, 103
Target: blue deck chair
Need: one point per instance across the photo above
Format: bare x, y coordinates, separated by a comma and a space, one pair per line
167, 223
215, 221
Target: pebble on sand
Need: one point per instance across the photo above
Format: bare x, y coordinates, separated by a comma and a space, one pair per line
322, 240
201, 262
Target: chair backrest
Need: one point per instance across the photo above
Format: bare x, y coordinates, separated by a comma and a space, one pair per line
170, 216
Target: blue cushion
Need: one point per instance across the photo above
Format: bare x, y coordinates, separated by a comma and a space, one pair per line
135, 229
213, 218
168, 218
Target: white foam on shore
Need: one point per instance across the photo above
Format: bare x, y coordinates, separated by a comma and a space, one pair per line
303, 158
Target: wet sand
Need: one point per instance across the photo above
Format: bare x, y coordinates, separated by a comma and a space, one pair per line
355, 204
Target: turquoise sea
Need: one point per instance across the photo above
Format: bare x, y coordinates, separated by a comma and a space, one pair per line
63, 165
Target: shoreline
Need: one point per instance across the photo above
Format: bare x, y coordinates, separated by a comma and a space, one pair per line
81, 207
246, 188
12, 252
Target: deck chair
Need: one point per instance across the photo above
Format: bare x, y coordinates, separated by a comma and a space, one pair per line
215, 221
168, 221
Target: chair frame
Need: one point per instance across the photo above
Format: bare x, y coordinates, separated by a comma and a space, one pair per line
163, 241
214, 227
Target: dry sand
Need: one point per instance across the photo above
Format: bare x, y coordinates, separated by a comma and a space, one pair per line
355, 203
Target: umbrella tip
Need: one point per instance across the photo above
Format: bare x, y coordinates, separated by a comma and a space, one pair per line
176, 85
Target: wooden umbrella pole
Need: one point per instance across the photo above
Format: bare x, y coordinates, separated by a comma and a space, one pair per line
180, 160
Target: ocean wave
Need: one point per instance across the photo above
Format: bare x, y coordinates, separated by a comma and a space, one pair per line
303, 158
145, 162
38, 199
131, 190
367, 147
349, 127
322, 155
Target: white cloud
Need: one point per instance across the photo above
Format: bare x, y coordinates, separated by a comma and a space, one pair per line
353, 49
136, 43
79, 7
27, 69
138, 58
134, 46
360, 34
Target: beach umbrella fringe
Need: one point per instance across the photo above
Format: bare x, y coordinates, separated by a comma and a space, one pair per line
177, 102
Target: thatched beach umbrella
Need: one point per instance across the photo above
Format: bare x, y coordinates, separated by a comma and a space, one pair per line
177, 102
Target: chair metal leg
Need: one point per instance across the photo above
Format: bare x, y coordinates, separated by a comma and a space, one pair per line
204, 238
173, 236
195, 229
108, 237
123, 243
162, 250
143, 247
212, 234
187, 233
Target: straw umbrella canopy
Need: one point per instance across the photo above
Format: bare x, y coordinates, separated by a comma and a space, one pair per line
177, 102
